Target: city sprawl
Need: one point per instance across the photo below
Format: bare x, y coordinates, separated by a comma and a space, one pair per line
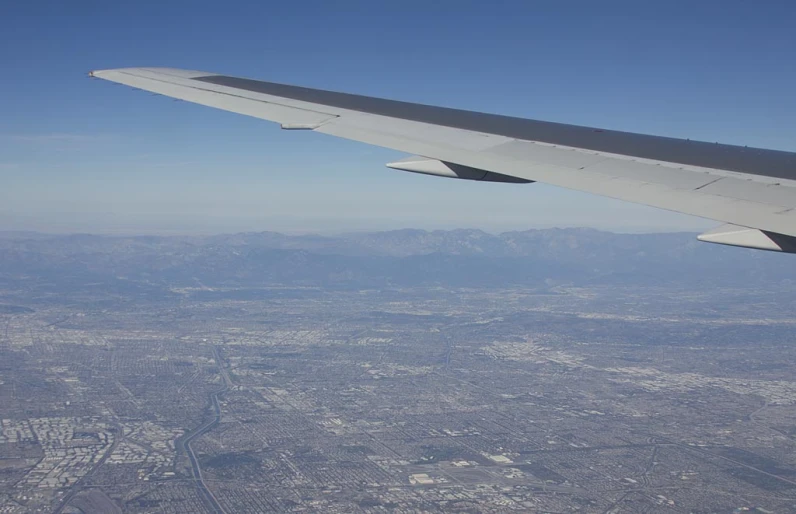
154, 394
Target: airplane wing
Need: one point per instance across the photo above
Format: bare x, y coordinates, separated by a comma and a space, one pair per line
751, 190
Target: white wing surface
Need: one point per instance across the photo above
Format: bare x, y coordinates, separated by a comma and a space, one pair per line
751, 190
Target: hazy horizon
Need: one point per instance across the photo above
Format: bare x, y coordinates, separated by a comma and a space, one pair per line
498, 208
131, 231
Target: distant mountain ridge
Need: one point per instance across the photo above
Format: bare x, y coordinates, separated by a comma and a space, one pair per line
399, 258
396, 243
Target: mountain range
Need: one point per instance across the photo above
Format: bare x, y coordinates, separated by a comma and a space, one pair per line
400, 258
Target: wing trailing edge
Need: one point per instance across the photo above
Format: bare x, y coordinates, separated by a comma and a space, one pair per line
746, 237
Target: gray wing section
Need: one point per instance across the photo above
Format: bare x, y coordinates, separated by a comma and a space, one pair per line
756, 161
752, 190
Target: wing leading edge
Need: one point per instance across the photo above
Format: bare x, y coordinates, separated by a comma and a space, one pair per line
752, 190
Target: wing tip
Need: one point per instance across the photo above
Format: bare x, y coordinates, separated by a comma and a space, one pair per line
149, 71
99, 74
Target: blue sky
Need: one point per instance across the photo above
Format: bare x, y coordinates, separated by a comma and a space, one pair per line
83, 155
